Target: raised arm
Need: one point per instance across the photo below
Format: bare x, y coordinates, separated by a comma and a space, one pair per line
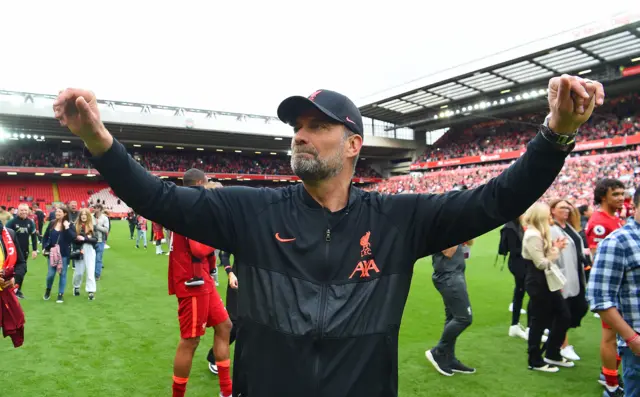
436, 222
208, 216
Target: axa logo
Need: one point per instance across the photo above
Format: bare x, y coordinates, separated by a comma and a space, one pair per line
366, 265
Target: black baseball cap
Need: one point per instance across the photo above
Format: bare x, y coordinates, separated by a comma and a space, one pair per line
332, 104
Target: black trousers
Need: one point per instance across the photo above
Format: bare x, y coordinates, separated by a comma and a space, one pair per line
132, 228
19, 277
547, 310
518, 298
457, 308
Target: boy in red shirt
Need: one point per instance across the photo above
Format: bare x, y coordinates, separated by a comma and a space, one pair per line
609, 195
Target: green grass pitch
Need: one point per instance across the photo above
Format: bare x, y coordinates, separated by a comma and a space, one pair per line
123, 343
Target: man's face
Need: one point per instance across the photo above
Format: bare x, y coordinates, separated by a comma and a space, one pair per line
23, 212
318, 148
615, 198
73, 206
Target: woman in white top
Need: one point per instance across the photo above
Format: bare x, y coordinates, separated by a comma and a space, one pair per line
86, 241
547, 308
571, 261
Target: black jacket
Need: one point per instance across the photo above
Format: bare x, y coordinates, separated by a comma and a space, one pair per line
512, 233
323, 293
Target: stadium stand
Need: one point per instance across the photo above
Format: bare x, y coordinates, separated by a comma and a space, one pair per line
43, 156
576, 181
79, 191
15, 192
619, 117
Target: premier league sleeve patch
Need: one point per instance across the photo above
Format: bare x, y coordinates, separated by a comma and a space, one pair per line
599, 230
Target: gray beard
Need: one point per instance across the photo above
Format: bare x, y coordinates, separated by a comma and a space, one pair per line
315, 169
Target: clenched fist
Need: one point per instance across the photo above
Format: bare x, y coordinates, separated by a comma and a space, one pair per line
571, 102
77, 109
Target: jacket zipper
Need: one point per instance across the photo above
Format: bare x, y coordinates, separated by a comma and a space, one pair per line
323, 303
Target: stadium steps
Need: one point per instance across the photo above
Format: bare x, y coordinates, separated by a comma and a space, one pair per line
56, 192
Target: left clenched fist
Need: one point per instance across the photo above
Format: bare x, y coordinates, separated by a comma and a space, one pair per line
571, 102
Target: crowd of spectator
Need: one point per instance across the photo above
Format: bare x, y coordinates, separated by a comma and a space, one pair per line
619, 117
575, 183
231, 163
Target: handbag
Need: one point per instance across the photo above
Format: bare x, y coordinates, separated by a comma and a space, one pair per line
555, 278
46, 251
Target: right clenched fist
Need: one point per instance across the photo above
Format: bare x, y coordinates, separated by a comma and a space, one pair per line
77, 109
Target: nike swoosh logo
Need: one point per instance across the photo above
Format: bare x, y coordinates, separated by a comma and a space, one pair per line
284, 240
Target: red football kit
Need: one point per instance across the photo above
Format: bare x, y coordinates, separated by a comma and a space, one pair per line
200, 306
158, 231
599, 226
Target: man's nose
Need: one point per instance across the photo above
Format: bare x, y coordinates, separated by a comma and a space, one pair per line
300, 137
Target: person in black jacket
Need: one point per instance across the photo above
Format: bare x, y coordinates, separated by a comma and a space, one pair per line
512, 234
60, 232
326, 267
132, 219
25, 229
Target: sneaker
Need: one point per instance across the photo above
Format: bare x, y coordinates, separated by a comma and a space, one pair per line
458, 367
522, 311
19, 294
617, 392
569, 353
194, 282
47, 295
92, 296
562, 362
76, 292
518, 331
60, 299
213, 368
603, 381
439, 362
544, 368
137, 246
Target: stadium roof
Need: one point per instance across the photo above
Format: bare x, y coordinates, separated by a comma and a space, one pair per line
450, 95
152, 125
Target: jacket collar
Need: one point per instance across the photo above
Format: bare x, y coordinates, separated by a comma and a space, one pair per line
310, 202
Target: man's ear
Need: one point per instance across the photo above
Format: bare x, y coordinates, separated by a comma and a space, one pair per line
354, 145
